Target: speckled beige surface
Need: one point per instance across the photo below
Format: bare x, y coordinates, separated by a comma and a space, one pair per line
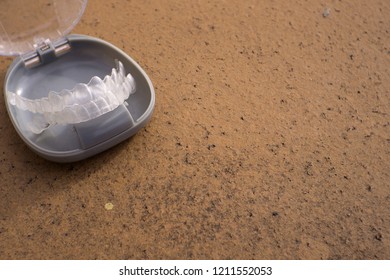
270, 140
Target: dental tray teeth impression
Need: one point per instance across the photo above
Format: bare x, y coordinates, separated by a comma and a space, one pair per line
83, 103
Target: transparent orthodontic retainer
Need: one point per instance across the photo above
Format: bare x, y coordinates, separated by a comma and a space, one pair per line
70, 97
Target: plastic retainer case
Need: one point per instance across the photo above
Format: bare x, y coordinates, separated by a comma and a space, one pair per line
69, 97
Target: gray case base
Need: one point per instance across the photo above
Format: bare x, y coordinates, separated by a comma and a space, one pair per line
88, 57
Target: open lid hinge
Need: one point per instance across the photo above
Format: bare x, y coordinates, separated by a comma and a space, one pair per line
46, 52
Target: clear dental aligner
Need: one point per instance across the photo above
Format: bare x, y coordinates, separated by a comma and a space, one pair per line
83, 103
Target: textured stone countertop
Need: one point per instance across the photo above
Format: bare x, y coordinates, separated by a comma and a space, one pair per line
270, 139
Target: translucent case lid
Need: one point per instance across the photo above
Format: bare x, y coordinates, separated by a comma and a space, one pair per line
24, 24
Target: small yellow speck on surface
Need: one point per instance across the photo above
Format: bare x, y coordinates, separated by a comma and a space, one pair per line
109, 206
